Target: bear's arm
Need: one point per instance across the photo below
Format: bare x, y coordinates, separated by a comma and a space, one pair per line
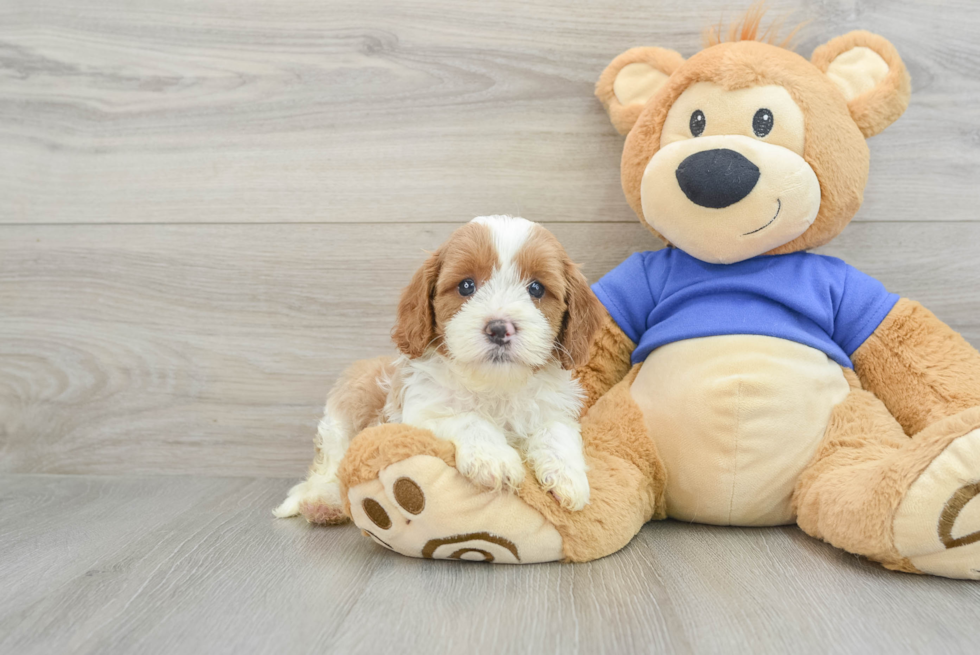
919, 367
609, 361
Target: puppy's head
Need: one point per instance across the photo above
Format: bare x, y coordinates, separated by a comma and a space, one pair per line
500, 293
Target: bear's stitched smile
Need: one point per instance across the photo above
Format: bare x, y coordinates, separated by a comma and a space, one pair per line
779, 206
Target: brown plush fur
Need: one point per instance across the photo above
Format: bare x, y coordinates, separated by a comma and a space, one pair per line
608, 364
849, 477
383, 445
919, 367
850, 492
626, 477
624, 116
877, 109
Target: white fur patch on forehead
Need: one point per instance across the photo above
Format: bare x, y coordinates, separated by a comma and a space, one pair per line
509, 235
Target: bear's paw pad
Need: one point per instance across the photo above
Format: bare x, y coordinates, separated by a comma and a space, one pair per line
422, 507
937, 526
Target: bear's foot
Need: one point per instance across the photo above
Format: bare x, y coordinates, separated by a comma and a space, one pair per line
937, 525
402, 489
422, 507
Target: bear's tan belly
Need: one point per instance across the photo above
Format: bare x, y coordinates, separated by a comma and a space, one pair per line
735, 420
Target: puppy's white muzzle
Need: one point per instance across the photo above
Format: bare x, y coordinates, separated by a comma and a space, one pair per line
500, 324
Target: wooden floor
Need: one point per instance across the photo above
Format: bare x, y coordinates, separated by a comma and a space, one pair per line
197, 565
208, 208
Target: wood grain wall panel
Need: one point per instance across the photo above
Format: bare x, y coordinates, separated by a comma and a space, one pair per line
133, 111
208, 349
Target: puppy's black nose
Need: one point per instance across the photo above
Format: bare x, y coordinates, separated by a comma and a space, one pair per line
717, 178
499, 331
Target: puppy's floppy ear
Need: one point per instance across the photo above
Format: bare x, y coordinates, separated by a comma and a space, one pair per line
416, 324
631, 79
868, 71
583, 317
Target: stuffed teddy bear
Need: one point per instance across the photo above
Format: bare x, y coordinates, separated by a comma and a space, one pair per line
738, 379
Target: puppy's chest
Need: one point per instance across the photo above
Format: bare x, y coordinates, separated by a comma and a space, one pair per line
514, 414
518, 411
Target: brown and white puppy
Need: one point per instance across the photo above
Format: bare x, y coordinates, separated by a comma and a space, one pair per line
489, 328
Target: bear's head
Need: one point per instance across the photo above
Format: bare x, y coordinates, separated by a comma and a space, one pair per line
747, 148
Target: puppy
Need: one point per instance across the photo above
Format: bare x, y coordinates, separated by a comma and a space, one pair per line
489, 328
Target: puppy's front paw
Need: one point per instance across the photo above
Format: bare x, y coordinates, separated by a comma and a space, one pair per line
490, 465
566, 481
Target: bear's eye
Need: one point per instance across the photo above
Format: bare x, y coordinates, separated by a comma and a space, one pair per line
697, 123
762, 123
467, 287
536, 289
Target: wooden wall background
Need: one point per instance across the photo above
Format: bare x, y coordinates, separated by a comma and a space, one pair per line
207, 209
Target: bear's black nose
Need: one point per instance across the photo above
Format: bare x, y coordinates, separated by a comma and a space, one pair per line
717, 178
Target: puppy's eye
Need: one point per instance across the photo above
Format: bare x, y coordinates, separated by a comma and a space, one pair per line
467, 287
698, 122
762, 123
536, 289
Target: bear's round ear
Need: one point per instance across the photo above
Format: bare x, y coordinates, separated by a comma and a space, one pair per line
629, 81
868, 71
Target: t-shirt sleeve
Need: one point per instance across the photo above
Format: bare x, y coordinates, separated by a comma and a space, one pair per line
625, 293
864, 304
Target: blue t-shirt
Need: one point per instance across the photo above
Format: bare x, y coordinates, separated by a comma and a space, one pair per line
664, 296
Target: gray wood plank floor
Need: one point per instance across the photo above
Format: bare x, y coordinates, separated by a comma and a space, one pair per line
208, 208
182, 565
